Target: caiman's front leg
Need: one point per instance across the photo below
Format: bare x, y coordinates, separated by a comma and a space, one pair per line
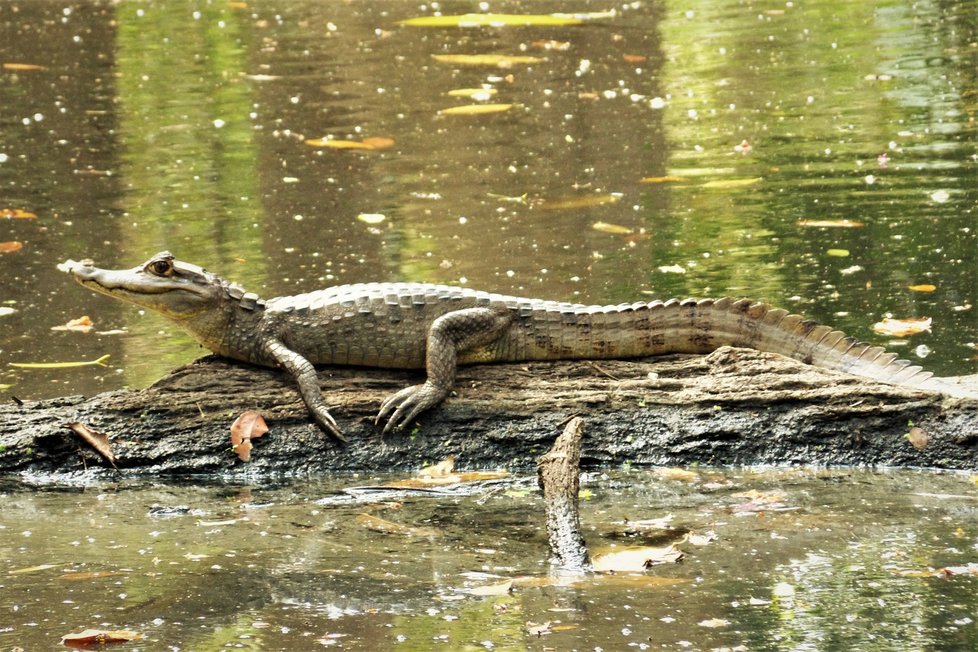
453, 333
305, 375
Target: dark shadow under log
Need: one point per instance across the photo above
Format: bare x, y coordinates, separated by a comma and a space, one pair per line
731, 407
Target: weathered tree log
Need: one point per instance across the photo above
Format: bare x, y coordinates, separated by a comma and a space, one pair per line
559, 475
731, 407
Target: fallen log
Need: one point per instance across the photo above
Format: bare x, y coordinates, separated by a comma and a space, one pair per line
733, 406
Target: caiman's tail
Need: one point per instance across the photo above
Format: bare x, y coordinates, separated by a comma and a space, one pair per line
702, 326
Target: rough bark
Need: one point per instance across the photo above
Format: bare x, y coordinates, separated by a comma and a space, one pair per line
559, 475
731, 407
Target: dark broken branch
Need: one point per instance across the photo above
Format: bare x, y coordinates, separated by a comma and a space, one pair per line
731, 407
558, 473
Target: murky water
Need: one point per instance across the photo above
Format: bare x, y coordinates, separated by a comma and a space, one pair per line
774, 560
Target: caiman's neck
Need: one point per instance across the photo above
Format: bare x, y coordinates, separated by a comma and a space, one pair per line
230, 327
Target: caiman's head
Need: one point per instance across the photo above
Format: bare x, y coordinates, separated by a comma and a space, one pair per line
173, 288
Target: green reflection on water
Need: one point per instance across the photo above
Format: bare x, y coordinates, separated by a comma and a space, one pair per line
188, 152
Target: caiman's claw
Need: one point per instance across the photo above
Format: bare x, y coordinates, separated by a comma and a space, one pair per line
402, 408
325, 421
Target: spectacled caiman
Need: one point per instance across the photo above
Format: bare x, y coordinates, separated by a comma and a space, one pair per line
437, 327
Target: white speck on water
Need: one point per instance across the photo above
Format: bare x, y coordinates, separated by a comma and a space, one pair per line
218, 123
940, 196
657, 103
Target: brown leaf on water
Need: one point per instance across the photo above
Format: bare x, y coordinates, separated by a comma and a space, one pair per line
16, 214
497, 60
81, 325
10, 247
372, 143
634, 58
249, 425
90, 637
503, 588
918, 438
439, 470
384, 526
22, 67
550, 45
679, 475
902, 327
91, 575
97, 440
636, 560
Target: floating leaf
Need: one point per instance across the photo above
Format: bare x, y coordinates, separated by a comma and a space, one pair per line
476, 109
614, 229
666, 179
16, 214
97, 440
634, 58
902, 327
497, 60
551, 44
672, 269
494, 20
830, 224
479, 94
924, 287
22, 67
371, 218
32, 569
636, 560
384, 526
439, 470
732, 183
918, 438
372, 143
582, 201
10, 247
90, 637
714, 622
81, 325
92, 575
249, 425
503, 588
837, 253
61, 365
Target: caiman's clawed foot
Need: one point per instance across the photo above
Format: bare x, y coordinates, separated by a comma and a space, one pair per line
325, 421
401, 408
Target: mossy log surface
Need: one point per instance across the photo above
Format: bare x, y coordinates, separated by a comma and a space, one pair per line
730, 407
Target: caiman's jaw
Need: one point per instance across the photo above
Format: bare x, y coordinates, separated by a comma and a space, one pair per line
168, 286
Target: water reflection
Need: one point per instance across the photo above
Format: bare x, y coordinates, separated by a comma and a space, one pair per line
799, 560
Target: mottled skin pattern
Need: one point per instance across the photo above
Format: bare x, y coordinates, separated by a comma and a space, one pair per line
437, 327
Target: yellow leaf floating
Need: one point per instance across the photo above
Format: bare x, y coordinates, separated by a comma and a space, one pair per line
838, 253
924, 287
101, 362
666, 179
831, 224
476, 93
493, 20
584, 201
902, 327
732, 183
497, 60
22, 67
614, 229
476, 109
376, 142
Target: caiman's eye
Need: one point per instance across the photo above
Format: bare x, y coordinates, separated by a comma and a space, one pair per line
161, 267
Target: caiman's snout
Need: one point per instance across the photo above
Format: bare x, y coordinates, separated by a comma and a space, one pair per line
79, 269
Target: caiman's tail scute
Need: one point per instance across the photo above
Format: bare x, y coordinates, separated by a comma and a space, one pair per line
699, 326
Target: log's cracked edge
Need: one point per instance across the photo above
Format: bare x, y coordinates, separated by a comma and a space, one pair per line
670, 410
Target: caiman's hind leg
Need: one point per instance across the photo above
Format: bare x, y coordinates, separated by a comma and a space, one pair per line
457, 332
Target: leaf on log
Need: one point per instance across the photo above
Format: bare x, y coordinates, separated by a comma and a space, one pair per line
97, 440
